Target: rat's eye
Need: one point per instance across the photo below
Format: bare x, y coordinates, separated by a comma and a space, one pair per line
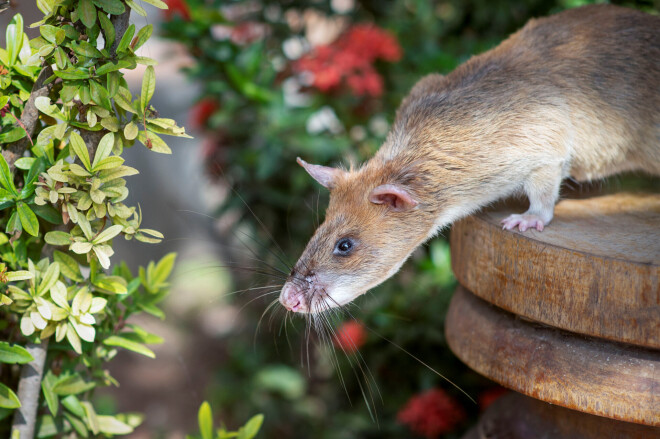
344, 247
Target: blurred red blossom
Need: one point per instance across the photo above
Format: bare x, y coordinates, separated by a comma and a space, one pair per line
176, 7
200, 113
351, 58
431, 413
489, 396
351, 336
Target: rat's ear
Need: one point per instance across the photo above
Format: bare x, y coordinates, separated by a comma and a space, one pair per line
396, 197
325, 175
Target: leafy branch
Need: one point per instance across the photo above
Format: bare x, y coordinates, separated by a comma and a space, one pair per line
62, 193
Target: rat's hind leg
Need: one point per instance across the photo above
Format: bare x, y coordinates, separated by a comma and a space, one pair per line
542, 189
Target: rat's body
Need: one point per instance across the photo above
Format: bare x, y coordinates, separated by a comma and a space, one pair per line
575, 94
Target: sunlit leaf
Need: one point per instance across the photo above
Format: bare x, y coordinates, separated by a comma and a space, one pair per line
116, 340
28, 219
205, 420
8, 398
87, 12
14, 354
78, 145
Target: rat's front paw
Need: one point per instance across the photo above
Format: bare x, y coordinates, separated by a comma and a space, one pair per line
524, 222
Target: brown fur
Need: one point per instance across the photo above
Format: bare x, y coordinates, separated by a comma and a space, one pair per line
575, 94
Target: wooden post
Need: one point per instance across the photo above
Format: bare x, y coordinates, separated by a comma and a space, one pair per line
569, 316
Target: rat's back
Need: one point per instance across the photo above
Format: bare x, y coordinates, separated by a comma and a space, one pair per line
574, 94
601, 65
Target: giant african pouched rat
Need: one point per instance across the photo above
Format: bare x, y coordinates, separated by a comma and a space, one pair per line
574, 94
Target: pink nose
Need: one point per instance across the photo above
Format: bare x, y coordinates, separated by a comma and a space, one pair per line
292, 297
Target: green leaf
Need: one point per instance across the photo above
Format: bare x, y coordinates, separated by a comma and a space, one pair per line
28, 219
8, 398
81, 247
85, 49
130, 131
154, 143
24, 163
73, 74
72, 404
162, 271
112, 425
100, 95
69, 267
14, 354
113, 66
116, 340
251, 427
108, 28
113, 83
77, 424
126, 39
114, 7
6, 178
104, 148
72, 385
108, 234
109, 163
57, 238
152, 309
36, 169
91, 417
14, 223
87, 12
142, 37
14, 38
52, 34
49, 213
137, 8
47, 387
78, 145
148, 87
14, 134
157, 3
47, 425
110, 123
15, 276
205, 419
111, 284
50, 278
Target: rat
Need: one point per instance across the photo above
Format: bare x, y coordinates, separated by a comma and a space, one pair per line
575, 94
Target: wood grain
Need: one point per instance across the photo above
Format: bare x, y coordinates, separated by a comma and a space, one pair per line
594, 270
515, 416
600, 377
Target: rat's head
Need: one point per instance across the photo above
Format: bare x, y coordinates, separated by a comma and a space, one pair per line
375, 219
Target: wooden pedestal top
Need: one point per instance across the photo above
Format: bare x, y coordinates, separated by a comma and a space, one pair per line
604, 378
594, 270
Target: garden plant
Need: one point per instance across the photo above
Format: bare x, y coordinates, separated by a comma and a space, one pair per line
67, 115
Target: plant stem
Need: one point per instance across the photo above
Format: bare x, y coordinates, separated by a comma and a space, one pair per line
29, 389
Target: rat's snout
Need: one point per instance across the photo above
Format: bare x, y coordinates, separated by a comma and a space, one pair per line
292, 297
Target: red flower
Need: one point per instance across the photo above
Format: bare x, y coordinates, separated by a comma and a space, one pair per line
431, 414
177, 7
201, 112
351, 336
350, 59
489, 396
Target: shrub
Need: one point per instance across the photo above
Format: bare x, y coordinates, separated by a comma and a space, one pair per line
67, 115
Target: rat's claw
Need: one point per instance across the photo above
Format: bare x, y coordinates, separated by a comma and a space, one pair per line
524, 222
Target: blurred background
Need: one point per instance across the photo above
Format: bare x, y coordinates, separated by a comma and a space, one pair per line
259, 83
